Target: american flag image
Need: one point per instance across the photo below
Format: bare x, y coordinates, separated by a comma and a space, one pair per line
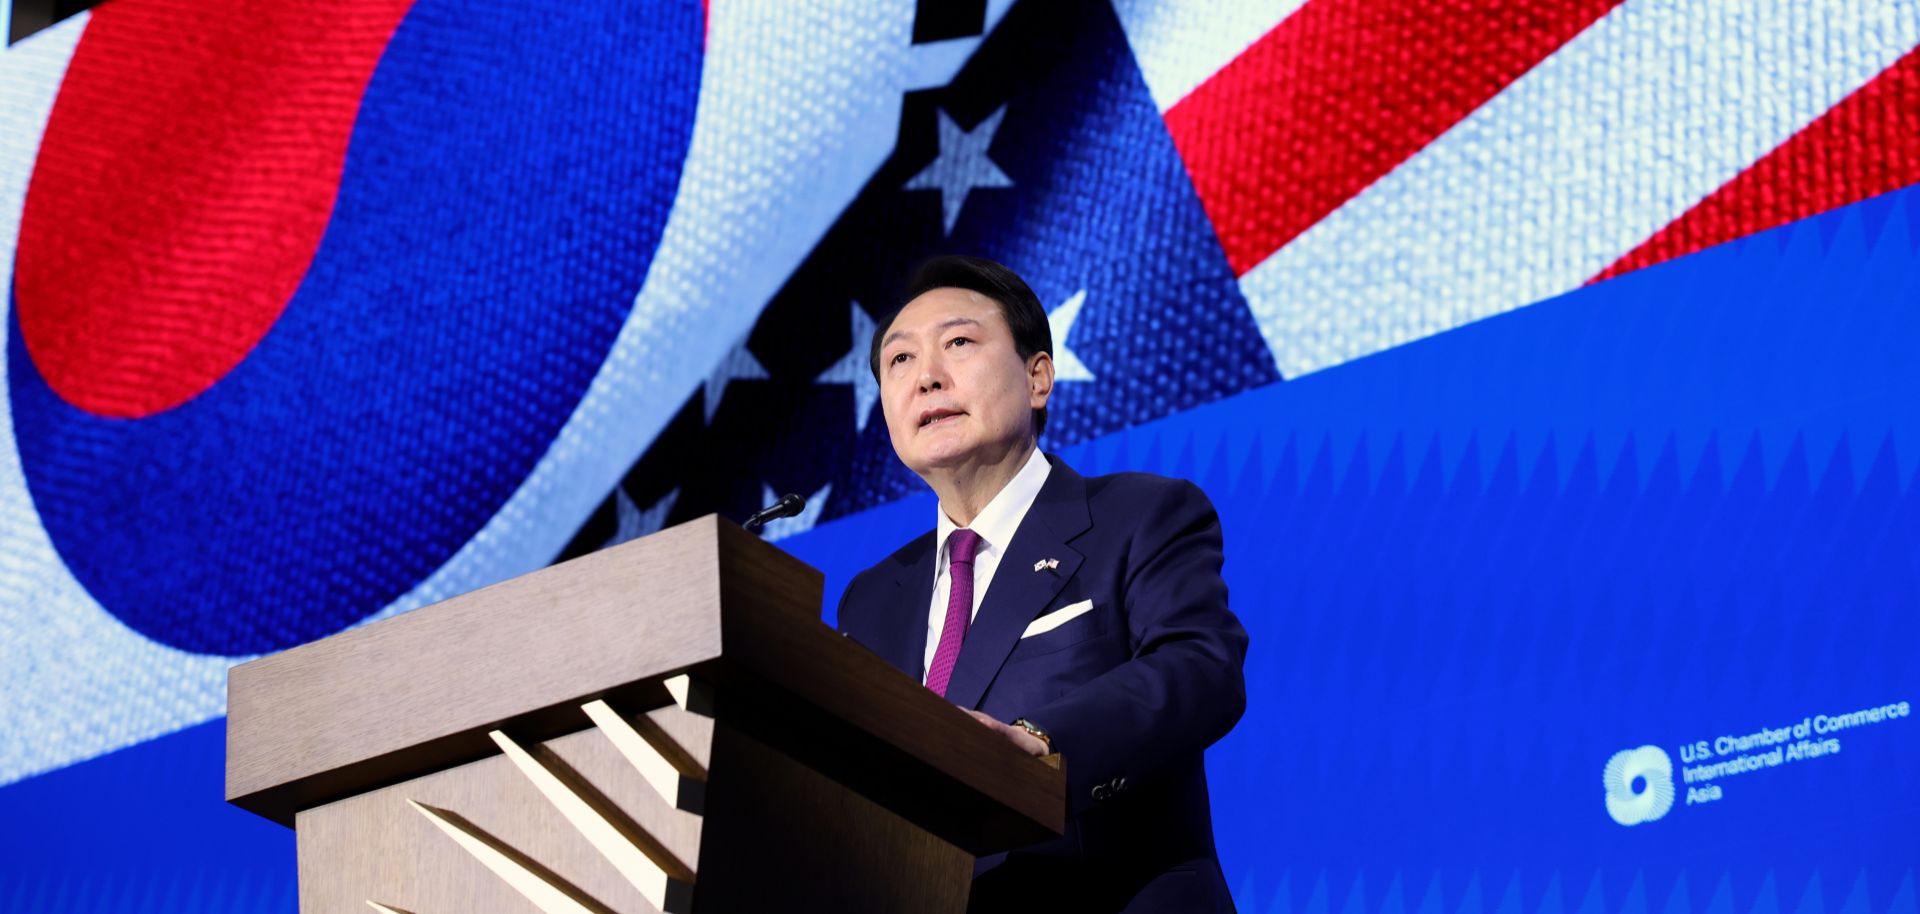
1218, 196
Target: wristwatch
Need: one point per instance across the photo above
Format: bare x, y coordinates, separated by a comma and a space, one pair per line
1038, 733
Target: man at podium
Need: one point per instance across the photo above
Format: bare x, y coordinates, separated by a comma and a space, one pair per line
1085, 616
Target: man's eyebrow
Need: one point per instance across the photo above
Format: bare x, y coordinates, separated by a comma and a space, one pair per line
949, 322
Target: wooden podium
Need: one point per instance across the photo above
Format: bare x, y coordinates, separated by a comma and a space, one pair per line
663, 725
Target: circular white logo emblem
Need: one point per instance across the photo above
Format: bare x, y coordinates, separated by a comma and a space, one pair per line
1639, 785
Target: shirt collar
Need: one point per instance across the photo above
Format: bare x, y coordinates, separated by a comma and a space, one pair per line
1002, 516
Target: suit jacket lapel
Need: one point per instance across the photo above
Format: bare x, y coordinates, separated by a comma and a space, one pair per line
904, 641
1018, 592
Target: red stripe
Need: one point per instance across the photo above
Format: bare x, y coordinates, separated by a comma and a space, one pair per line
186, 176
1868, 144
1340, 93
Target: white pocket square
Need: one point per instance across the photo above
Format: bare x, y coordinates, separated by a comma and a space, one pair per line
1055, 619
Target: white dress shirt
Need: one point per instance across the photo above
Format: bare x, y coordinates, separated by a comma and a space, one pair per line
995, 526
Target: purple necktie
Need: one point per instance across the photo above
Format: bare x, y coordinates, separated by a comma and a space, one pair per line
963, 544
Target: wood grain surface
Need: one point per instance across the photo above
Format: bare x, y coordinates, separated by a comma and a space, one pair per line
782, 837
417, 692
375, 847
822, 731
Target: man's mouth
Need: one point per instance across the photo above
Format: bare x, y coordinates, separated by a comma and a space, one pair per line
934, 417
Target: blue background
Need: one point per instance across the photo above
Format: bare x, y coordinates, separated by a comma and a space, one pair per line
1672, 506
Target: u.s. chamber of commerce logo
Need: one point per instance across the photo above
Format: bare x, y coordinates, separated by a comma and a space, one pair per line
1639, 785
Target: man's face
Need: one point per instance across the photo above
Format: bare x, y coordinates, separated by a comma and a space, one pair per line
953, 387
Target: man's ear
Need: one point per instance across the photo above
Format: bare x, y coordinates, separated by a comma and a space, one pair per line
1039, 379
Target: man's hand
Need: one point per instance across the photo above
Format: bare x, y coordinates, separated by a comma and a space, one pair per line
1027, 742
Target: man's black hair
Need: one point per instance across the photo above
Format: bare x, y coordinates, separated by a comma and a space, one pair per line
1025, 316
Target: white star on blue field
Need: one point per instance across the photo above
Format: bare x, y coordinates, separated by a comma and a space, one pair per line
1057, 165
962, 166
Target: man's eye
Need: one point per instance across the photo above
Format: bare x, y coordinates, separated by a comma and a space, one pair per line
958, 340
898, 357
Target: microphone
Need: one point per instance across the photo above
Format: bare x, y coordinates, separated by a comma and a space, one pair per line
788, 505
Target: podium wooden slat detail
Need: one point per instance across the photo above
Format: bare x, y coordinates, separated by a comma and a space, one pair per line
663, 725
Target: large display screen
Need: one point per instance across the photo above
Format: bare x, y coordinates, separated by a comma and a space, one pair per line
1550, 365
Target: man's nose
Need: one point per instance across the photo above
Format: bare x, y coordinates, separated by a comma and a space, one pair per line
933, 375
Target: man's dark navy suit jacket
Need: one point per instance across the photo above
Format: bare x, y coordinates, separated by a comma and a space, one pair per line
1131, 692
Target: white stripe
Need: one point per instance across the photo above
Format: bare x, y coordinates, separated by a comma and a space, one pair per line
1613, 137
799, 105
1179, 44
